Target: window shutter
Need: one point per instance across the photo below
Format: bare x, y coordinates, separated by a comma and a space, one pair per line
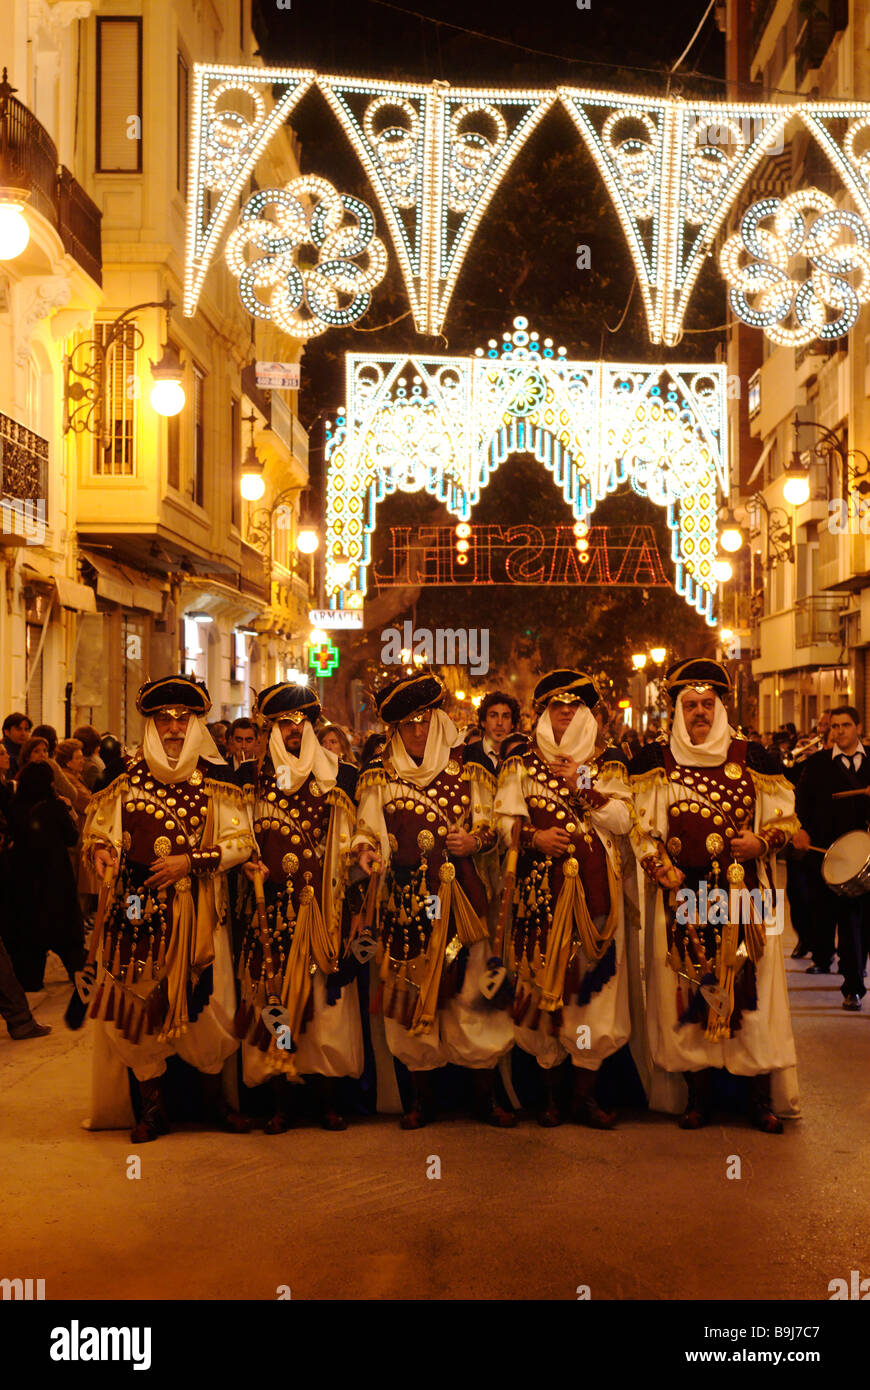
119, 95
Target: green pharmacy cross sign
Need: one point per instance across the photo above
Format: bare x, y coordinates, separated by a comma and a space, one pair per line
323, 659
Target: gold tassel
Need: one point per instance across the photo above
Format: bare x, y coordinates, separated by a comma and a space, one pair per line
178, 966
719, 1025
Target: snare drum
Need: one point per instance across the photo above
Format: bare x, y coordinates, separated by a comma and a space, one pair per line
846, 865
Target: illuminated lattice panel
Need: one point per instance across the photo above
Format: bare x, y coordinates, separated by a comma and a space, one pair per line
436, 157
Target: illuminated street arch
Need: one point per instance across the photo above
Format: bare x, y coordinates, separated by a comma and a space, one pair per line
443, 425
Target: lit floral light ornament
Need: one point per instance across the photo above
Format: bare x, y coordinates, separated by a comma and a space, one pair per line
762, 291
280, 284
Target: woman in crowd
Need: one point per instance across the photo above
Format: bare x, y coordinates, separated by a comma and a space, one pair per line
70, 759
44, 910
333, 738
92, 762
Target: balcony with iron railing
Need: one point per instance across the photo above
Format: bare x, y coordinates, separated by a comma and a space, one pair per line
29, 163
23, 484
817, 35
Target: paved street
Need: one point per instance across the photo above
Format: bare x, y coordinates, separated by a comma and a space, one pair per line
643, 1212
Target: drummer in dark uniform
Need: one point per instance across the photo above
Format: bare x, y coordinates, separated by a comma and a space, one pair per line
824, 818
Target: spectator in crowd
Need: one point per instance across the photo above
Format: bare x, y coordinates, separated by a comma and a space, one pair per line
44, 912
16, 731
333, 738
114, 761
71, 761
7, 789
243, 743
33, 750
93, 764
218, 731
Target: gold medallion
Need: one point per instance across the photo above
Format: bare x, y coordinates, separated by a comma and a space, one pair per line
715, 844
706, 812
315, 788
674, 845
162, 846
195, 777
126, 840
289, 864
183, 885
736, 874
734, 771
572, 868
393, 843
447, 872
425, 840
452, 769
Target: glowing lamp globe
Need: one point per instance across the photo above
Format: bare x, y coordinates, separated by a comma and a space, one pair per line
726, 635
797, 489
252, 486
317, 637
307, 541
731, 539
14, 231
638, 661
722, 571
658, 654
167, 397
341, 570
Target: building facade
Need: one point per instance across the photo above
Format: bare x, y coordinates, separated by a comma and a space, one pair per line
150, 561
796, 607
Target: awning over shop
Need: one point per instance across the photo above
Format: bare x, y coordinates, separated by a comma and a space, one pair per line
125, 586
79, 598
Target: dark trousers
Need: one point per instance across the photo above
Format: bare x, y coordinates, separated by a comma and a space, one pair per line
13, 1001
823, 917
853, 936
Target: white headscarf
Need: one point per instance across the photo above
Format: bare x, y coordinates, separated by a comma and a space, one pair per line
442, 739
198, 743
578, 741
713, 751
291, 769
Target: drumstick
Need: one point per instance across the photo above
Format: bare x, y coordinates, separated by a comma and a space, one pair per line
859, 791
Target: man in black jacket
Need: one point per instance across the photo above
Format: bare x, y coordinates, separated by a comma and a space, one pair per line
844, 767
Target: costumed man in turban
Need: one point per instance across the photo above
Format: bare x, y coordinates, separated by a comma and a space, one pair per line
303, 814
712, 813
425, 806
170, 826
566, 943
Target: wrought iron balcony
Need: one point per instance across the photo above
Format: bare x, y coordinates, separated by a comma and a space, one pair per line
28, 161
817, 35
23, 484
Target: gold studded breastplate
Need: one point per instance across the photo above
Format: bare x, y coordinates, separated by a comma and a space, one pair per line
707, 807
291, 827
160, 818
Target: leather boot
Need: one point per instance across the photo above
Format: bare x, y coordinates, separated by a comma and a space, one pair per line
697, 1112
549, 1115
216, 1109
280, 1121
154, 1120
331, 1117
760, 1112
585, 1109
422, 1102
487, 1107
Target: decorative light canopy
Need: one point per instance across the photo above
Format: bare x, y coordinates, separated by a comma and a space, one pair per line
436, 156
444, 424
764, 291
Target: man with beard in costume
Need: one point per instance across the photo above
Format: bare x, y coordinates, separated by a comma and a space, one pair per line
424, 812
170, 826
303, 816
566, 944
712, 813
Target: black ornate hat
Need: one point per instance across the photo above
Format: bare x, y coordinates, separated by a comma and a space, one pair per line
409, 695
567, 687
700, 673
183, 693
288, 701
